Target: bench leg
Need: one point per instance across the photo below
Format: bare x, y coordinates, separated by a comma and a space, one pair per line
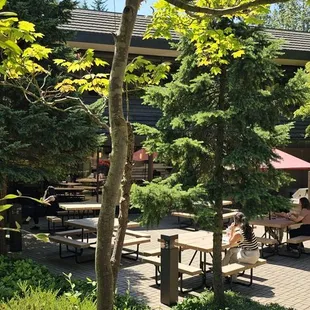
292, 254
274, 252
157, 274
132, 252
75, 252
241, 283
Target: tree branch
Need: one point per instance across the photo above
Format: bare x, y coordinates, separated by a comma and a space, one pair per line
181, 4
86, 109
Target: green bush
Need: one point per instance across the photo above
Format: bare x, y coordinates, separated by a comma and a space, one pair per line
19, 277
14, 271
233, 301
40, 299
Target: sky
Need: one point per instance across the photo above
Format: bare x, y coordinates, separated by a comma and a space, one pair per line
119, 6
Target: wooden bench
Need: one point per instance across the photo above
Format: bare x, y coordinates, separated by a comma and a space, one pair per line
299, 240
137, 234
268, 242
130, 242
78, 246
183, 214
153, 252
76, 232
52, 219
229, 215
186, 215
182, 269
235, 268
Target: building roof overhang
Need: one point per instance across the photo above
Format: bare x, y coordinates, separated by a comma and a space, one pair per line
94, 29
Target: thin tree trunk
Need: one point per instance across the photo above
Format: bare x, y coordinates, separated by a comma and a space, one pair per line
3, 246
218, 178
124, 207
119, 139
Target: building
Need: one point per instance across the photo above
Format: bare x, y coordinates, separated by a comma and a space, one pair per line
94, 29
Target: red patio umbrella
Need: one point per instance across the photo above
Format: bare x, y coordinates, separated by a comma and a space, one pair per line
141, 155
289, 162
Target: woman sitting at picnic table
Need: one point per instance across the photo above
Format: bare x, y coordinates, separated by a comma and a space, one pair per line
242, 242
303, 217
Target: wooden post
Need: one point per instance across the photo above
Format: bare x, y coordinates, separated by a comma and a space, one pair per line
150, 167
97, 176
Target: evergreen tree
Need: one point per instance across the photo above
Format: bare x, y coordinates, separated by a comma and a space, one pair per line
84, 5
219, 131
292, 15
100, 5
50, 142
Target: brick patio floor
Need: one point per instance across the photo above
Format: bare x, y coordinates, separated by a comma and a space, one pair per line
283, 280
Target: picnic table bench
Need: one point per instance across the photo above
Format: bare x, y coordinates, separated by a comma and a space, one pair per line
299, 240
182, 269
77, 245
236, 268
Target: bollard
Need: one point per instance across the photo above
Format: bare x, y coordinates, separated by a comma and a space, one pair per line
169, 270
15, 215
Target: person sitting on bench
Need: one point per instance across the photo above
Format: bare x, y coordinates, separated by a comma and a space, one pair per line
243, 243
303, 217
49, 197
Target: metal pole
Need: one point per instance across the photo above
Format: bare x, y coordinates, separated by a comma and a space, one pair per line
169, 270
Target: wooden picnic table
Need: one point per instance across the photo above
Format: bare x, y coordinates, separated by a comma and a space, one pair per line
91, 223
89, 180
69, 189
80, 206
69, 184
201, 241
273, 223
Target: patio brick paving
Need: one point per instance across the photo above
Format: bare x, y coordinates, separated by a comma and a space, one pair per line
283, 280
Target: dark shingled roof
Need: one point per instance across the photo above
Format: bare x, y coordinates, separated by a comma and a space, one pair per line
95, 22
97, 27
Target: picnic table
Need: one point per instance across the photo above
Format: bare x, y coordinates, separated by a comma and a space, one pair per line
202, 241
81, 209
271, 225
69, 184
91, 223
80, 206
198, 241
70, 193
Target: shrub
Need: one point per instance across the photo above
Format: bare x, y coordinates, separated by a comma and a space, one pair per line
19, 277
233, 301
14, 271
39, 299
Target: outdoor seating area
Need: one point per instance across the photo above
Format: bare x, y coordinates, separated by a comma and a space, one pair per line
195, 254
155, 155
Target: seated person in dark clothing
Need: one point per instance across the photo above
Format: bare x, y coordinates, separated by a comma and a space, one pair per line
303, 217
49, 197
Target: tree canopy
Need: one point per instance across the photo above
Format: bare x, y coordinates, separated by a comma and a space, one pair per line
292, 15
39, 141
218, 130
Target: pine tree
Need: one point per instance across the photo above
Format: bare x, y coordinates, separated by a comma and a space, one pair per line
292, 15
47, 156
84, 5
100, 5
218, 132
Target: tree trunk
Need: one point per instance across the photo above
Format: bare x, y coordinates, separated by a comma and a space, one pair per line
119, 139
218, 180
124, 207
3, 246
